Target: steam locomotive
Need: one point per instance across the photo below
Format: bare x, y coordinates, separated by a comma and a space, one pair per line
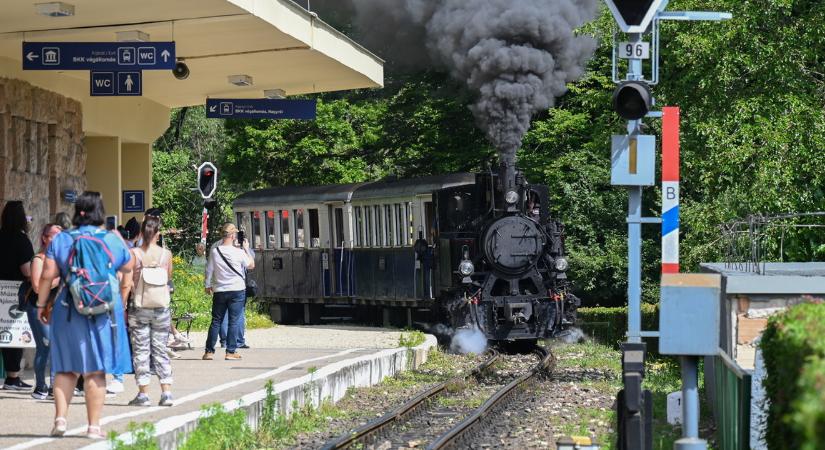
464, 250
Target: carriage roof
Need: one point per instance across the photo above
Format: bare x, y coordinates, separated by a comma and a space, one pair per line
353, 191
403, 187
298, 194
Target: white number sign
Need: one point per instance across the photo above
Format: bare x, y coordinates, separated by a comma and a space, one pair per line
634, 50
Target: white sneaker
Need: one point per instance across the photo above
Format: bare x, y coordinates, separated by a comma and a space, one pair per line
181, 338
114, 387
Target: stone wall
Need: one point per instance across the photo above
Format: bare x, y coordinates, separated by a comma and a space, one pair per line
41, 150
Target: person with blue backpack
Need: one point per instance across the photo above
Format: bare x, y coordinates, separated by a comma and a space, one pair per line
87, 321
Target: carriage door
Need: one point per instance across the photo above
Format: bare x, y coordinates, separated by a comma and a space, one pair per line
340, 256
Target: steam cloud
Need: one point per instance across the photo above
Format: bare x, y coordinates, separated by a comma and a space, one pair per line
516, 55
470, 340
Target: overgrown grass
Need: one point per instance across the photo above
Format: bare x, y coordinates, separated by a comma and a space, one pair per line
143, 437
411, 338
189, 293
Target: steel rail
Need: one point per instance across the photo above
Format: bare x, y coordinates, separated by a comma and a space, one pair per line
452, 437
395, 416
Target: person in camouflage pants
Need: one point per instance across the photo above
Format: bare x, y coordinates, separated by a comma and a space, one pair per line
150, 333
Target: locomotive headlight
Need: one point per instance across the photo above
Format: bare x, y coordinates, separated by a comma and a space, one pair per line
562, 264
466, 268
511, 197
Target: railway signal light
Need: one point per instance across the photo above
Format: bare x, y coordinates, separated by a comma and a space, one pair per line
632, 100
207, 179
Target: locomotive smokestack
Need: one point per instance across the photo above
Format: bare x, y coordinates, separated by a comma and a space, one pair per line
516, 55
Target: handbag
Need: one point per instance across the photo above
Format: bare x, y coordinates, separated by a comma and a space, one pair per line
251, 285
152, 290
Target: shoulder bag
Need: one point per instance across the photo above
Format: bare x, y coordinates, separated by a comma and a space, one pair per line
251, 285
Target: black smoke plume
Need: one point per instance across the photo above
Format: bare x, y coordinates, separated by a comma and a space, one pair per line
516, 55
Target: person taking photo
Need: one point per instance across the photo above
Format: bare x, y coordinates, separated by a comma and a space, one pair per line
225, 281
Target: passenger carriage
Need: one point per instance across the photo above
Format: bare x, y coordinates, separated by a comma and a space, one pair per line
343, 251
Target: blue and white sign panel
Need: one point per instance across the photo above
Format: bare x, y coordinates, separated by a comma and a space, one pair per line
102, 56
260, 108
115, 84
134, 201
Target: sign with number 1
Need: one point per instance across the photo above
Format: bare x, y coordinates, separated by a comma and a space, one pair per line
133, 201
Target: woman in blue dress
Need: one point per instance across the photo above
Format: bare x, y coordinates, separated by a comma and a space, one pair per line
87, 345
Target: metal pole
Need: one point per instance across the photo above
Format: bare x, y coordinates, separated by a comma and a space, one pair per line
690, 406
634, 227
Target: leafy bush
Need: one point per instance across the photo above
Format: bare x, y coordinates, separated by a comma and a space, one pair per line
189, 292
794, 352
609, 325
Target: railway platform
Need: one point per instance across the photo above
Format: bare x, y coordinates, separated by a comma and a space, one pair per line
329, 359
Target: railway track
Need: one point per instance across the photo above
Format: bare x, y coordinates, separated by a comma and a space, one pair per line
427, 419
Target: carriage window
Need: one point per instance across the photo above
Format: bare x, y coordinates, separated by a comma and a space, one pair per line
339, 227
429, 224
285, 242
255, 233
379, 226
270, 236
389, 238
300, 239
359, 227
410, 222
369, 241
314, 229
399, 227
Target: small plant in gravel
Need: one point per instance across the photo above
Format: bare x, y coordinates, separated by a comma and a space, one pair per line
411, 338
143, 437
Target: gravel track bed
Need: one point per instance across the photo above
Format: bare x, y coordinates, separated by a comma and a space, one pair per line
573, 401
446, 410
365, 404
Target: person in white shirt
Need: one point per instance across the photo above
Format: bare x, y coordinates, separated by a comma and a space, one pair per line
226, 283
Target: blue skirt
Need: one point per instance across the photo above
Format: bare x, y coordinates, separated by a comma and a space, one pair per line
85, 344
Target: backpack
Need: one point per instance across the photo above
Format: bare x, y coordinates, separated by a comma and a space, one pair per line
152, 289
91, 278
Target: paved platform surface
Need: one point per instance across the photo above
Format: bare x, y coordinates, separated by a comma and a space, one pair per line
280, 354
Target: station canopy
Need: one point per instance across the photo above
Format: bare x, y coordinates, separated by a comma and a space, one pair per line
277, 43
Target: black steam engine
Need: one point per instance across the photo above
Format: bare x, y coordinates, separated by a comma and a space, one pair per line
500, 259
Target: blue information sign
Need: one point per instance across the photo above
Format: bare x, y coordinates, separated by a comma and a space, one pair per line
115, 83
103, 56
133, 202
260, 108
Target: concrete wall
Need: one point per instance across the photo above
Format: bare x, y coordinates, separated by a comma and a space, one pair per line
41, 149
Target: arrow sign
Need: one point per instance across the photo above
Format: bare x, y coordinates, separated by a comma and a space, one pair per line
101, 56
260, 108
634, 16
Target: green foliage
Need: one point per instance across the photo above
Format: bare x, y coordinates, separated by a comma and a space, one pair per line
220, 429
793, 346
750, 90
190, 296
143, 437
609, 325
411, 338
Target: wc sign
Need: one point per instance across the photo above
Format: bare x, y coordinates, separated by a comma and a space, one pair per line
114, 84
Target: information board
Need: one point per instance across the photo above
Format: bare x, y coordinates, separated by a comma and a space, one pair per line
14, 325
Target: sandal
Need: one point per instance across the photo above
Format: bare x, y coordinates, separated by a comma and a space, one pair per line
59, 428
94, 432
